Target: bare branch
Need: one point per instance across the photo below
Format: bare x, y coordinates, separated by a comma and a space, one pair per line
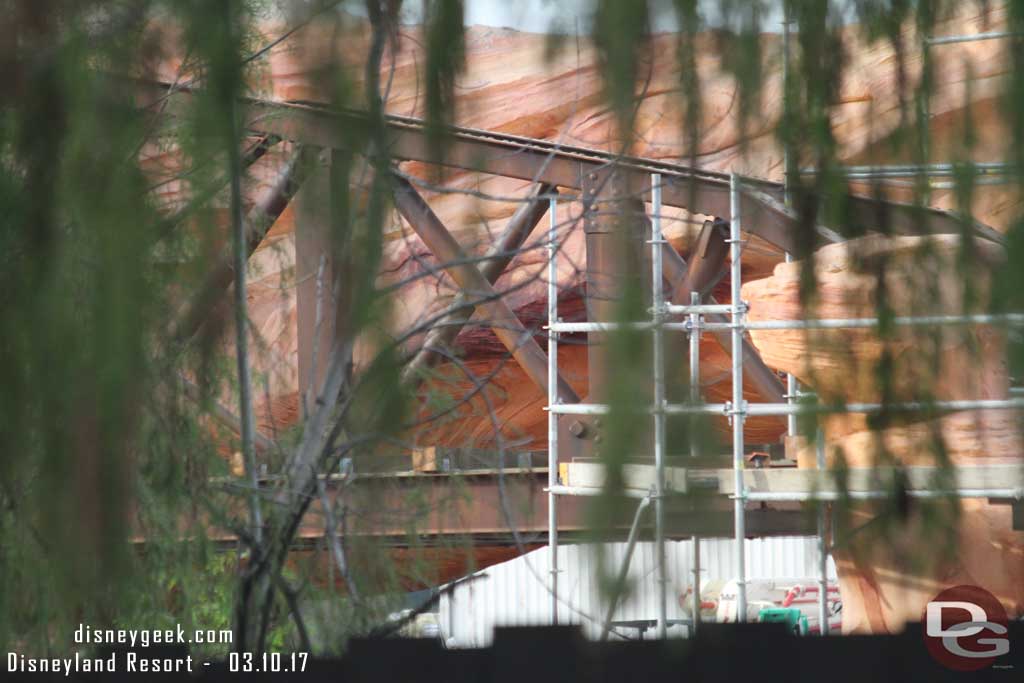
241, 258
337, 549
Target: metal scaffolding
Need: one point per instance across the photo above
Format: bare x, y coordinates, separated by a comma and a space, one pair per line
737, 409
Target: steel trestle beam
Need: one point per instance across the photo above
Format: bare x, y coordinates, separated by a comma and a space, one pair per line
498, 257
706, 264
499, 315
701, 192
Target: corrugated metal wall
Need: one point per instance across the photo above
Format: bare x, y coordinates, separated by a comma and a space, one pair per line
517, 592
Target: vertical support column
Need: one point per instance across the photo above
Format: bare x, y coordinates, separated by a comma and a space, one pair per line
697, 600
602, 276
552, 400
788, 171
317, 269
822, 547
615, 227
738, 409
658, 306
695, 324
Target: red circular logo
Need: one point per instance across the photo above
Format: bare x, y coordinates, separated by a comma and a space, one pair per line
965, 628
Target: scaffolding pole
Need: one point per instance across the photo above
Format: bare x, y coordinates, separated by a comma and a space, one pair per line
695, 323
1011, 493
779, 409
738, 406
822, 544
943, 170
552, 400
788, 172
787, 159
791, 387
1001, 319
1008, 319
658, 303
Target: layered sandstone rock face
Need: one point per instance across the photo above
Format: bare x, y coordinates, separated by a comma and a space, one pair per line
891, 557
891, 561
908, 276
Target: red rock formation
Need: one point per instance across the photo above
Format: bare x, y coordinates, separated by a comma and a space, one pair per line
898, 559
921, 277
892, 567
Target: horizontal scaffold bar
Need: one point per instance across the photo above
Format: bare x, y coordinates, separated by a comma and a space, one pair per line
768, 409
1003, 481
1010, 319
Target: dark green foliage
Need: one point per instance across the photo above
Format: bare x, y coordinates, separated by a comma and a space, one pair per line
446, 55
621, 31
78, 311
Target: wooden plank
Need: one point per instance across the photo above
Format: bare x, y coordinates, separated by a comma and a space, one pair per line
918, 478
797, 481
591, 475
426, 459
414, 509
